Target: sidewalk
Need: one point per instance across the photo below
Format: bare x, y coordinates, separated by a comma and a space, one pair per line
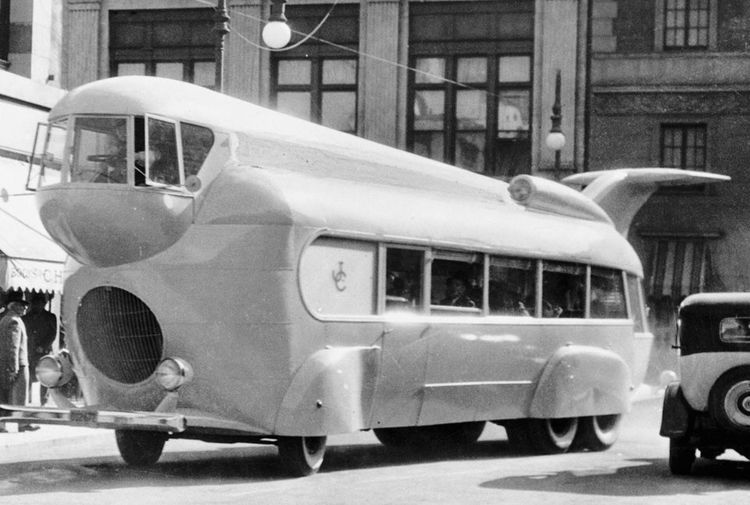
48, 436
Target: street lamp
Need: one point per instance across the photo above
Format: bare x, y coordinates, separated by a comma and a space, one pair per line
555, 138
276, 33
221, 27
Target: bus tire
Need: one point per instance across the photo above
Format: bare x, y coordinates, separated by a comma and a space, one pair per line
518, 435
729, 400
301, 456
681, 456
140, 448
394, 437
463, 433
552, 436
597, 433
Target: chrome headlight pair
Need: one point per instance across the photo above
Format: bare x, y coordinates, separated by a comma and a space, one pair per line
55, 370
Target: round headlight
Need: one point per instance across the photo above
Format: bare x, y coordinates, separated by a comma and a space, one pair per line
173, 373
54, 371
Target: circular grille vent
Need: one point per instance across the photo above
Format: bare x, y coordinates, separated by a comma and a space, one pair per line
119, 334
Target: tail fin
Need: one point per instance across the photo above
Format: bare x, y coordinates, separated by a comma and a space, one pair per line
622, 192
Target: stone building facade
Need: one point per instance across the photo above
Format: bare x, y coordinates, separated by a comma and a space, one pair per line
670, 86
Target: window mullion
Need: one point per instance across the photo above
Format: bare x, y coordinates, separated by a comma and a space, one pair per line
450, 110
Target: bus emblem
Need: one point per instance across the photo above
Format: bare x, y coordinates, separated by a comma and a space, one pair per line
339, 278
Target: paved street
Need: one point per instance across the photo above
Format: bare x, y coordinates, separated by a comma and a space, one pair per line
80, 466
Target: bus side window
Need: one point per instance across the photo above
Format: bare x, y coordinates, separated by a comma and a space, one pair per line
512, 285
140, 147
162, 165
564, 289
607, 294
403, 279
457, 282
637, 308
197, 141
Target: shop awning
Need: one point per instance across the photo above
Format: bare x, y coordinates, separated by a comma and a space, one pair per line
29, 258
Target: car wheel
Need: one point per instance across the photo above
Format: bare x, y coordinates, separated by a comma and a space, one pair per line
710, 452
681, 456
597, 433
140, 448
729, 400
301, 456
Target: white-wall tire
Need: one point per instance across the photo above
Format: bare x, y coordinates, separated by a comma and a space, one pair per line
301, 456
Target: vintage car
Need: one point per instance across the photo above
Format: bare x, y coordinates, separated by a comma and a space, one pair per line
709, 408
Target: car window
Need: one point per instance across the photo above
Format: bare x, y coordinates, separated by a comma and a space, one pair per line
735, 330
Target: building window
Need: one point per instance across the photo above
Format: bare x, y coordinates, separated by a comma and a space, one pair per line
686, 23
317, 81
683, 146
175, 43
322, 90
4, 33
470, 85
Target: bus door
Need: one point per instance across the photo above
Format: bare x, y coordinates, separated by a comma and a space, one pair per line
398, 394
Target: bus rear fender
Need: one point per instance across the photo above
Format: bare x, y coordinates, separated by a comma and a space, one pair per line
330, 393
582, 380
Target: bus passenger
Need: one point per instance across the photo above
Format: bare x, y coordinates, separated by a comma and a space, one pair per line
397, 294
455, 294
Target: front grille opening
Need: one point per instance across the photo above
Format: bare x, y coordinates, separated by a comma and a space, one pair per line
119, 334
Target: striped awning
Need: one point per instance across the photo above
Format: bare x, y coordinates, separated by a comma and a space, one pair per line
678, 266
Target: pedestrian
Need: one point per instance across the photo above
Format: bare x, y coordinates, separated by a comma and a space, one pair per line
41, 328
14, 369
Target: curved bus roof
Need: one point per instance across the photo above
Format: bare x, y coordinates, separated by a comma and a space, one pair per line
312, 175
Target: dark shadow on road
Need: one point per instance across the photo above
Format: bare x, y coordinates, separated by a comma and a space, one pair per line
640, 477
227, 466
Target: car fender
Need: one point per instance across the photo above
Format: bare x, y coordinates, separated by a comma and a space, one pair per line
676, 415
581, 380
331, 392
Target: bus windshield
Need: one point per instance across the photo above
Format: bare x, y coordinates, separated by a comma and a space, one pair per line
99, 149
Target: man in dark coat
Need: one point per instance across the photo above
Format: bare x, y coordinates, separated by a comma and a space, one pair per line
14, 363
41, 328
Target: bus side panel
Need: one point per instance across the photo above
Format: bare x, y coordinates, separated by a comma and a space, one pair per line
580, 380
400, 384
479, 372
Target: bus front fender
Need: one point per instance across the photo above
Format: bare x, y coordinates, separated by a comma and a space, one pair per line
331, 392
582, 381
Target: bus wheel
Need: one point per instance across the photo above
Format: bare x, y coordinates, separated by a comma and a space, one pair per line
301, 456
395, 437
463, 433
518, 434
552, 436
729, 400
681, 456
140, 448
597, 433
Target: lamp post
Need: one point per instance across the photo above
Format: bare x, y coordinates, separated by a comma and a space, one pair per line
276, 33
221, 27
555, 138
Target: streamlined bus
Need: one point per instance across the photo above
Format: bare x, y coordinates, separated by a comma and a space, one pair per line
239, 275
